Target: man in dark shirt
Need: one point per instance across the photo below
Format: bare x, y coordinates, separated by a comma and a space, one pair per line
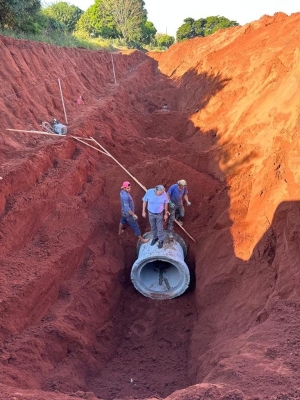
176, 192
128, 215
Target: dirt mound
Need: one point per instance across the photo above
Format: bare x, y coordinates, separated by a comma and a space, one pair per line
72, 325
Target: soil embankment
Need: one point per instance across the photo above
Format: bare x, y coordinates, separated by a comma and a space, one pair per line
72, 326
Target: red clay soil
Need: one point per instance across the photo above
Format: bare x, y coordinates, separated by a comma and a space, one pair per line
72, 325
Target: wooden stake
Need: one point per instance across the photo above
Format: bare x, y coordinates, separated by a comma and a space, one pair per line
36, 132
113, 65
62, 100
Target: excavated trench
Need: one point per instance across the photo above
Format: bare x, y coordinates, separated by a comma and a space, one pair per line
141, 347
83, 326
72, 324
99, 334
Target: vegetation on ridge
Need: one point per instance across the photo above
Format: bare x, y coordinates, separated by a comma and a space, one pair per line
202, 27
121, 23
104, 25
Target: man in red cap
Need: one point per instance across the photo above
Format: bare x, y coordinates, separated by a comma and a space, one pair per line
128, 215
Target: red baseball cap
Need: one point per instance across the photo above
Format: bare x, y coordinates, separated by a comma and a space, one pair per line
125, 184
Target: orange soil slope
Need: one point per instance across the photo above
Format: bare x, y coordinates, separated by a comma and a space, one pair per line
72, 326
255, 113
247, 331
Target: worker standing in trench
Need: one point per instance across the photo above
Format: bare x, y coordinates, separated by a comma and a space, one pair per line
79, 101
176, 193
128, 215
158, 201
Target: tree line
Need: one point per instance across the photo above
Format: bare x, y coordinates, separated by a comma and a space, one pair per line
108, 19
202, 27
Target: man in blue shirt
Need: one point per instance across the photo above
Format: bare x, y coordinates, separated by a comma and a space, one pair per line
128, 215
176, 193
158, 201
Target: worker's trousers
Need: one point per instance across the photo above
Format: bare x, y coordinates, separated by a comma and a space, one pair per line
157, 225
176, 212
128, 219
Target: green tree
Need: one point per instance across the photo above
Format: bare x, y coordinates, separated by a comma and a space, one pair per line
202, 27
64, 13
19, 14
186, 30
164, 40
49, 24
215, 23
199, 26
97, 23
148, 32
128, 16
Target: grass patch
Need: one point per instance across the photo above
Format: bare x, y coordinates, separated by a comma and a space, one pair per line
77, 39
64, 39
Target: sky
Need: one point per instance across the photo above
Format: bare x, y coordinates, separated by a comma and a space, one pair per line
168, 15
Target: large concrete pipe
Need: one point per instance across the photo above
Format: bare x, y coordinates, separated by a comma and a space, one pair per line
161, 273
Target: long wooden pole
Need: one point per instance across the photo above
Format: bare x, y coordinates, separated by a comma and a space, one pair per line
93, 147
62, 100
109, 155
180, 226
36, 132
139, 183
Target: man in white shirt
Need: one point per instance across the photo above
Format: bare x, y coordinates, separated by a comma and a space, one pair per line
157, 201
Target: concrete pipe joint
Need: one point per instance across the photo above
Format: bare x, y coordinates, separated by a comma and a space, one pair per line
161, 274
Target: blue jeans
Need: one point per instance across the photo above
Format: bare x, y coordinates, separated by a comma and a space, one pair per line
157, 225
176, 212
128, 219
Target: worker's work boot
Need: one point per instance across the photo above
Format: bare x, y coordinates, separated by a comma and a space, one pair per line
153, 241
160, 244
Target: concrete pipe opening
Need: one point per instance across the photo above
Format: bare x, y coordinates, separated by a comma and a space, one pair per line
161, 274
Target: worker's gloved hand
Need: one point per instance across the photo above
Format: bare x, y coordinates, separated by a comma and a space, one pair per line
188, 203
171, 205
135, 217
